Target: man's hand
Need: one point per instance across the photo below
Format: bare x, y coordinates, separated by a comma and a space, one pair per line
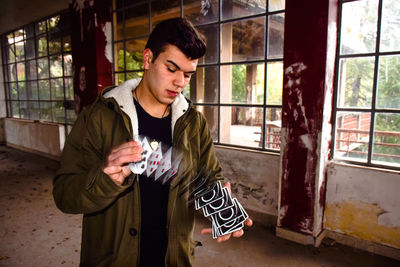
248, 222
117, 162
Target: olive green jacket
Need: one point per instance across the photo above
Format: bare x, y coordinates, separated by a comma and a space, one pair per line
111, 221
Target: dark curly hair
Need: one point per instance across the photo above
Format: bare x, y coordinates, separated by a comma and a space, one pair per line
179, 32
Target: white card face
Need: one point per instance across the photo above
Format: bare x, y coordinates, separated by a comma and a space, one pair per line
165, 164
174, 168
154, 160
140, 167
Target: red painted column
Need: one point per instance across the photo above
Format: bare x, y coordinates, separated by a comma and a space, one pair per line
309, 54
91, 39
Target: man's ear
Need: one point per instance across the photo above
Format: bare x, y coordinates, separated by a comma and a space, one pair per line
147, 58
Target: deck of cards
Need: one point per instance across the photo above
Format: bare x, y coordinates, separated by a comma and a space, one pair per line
226, 213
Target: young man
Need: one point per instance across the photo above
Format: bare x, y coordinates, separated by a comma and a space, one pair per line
130, 219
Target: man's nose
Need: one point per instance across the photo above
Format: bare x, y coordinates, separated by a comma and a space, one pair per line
179, 79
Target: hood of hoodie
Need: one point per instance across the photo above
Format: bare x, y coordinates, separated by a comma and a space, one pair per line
122, 94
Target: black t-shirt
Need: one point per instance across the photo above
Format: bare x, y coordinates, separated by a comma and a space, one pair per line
153, 194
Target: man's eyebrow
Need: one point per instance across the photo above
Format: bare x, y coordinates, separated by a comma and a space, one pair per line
177, 66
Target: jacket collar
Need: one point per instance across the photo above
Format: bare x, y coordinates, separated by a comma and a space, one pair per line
123, 96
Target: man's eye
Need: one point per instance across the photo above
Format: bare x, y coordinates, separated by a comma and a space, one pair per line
187, 75
171, 70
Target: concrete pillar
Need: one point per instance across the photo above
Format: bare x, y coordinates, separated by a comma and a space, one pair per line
309, 59
91, 48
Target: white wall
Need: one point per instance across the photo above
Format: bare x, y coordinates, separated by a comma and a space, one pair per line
39, 137
363, 203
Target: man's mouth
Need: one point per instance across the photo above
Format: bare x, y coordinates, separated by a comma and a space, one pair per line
172, 93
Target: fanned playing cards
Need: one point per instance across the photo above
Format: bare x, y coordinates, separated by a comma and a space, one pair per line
226, 213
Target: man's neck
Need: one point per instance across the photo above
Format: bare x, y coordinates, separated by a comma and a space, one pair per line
149, 103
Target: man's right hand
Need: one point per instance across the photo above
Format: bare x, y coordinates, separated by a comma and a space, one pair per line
118, 161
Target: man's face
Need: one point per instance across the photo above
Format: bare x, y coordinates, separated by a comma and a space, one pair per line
169, 74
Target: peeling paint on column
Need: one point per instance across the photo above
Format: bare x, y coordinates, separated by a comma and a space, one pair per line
108, 34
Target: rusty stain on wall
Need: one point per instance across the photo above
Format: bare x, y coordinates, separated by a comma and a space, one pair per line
360, 219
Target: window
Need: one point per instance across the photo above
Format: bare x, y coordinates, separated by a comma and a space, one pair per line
37, 65
238, 83
367, 101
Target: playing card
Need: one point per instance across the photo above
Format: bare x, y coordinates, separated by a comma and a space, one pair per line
174, 167
210, 196
140, 167
224, 229
165, 164
227, 215
154, 160
221, 204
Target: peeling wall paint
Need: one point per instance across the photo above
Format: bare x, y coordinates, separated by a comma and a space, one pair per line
107, 29
254, 181
364, 203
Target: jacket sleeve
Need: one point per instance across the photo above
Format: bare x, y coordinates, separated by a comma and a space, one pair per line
80, 185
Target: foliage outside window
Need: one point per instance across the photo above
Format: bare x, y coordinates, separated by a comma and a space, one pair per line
37, 64
238, 83
367, 110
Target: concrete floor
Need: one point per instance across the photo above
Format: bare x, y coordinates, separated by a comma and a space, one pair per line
34, 233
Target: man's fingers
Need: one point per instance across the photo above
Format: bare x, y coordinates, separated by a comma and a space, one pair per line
122, 160
228, 185
248, 222
130, 148
206, 231
223, 238
238, 233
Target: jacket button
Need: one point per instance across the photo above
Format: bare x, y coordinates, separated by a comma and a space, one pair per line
132, 231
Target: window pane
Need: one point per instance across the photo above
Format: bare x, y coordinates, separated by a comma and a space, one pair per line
211, 115
358, 33
119, 78
31, 73
45, 111
386, 147
68, 65
22, 91
137, 21
29, 31
119, 54
20, 51
247, 83
243, 40
55, 46
19, 35
118, 26
355, 82
71, 116
53, 24
200, 12
10, 38
12, 73
40, 27
34, 110
276, 5
389, 82
56, 66
43, 68
203, 87
67, 43
134, 56
273, 128
236, 9
58, 112
44, 90
23, 110
274, 83
13, 91
390, 26
57, 91
241, 126
275, 35
21, 71
32, 89
10, 53
30, 48
210, 32
134, 75
352, 135
15, 109
164, 9
41, 44
69, 89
